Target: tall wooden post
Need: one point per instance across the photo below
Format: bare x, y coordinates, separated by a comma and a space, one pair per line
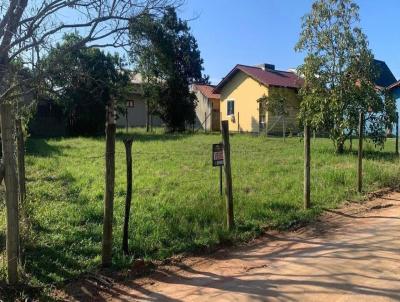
397, 133
109, 187
128, 201
307, 161
228, 175
360, 152
11, 183
21, 160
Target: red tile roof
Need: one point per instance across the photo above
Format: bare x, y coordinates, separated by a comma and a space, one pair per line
207, 91
266, 77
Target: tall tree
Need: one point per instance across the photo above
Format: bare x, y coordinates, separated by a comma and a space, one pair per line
339, 73
32, 26
167, 56
82, 82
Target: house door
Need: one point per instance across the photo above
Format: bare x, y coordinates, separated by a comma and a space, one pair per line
215, 120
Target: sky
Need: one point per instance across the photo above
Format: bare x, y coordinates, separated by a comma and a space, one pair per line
251, 32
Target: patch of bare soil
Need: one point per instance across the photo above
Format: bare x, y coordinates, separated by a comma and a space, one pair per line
349, 254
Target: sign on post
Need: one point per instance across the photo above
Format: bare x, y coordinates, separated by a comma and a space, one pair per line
218, 155
218, 161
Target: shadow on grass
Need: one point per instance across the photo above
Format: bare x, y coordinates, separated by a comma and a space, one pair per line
62, 251
367, 154
40, 147
148, 137
54, 262
375, 155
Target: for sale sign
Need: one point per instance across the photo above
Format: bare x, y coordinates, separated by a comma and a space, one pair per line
218, 155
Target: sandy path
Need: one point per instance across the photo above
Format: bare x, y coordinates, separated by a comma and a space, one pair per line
350, 255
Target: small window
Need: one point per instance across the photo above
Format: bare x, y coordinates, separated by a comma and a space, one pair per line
231, 108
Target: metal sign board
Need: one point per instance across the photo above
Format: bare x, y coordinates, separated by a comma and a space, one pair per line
218, 155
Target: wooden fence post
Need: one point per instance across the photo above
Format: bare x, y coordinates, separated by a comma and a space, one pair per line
128, 201
238, 122
397, 133
228, 175
360, 152
205, 122
307, 160
11, 183
109, 187
21, 160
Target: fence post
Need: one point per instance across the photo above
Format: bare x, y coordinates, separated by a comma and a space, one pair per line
205, 122
360, 151
228, 175
21, 160
238, 122
307, 160
109, 187
11, 183
397, 133
128, 201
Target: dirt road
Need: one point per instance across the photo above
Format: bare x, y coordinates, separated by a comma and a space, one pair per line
352, 254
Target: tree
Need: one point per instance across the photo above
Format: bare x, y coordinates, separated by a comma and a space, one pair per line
33, 26
276, 104
83, 81
339, 73
167, 56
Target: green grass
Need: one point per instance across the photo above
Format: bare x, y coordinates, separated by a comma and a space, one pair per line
176, 202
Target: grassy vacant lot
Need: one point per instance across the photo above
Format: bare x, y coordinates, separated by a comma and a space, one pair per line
176, 201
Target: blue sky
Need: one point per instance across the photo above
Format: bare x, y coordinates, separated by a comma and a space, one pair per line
265, 31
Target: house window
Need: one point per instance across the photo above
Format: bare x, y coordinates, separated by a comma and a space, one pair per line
231, 108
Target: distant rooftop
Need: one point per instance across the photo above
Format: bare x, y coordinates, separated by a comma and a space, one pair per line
207, 91
266, 75
385, 77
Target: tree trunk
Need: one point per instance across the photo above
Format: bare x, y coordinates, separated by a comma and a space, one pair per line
11, 183
128, 201
147, 117
21, 160
109, 188
340, 146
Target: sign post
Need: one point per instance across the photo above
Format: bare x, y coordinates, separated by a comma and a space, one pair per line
218, 161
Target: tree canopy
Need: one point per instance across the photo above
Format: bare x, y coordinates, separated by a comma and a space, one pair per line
339, 74
167, 55
82, 81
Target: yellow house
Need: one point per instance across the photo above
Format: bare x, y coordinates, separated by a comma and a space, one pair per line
241, 89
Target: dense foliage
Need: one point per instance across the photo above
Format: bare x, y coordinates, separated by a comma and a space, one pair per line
82, 81
166, 54
339, 74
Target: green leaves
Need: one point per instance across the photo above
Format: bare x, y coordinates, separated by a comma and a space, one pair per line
339, 72
167, 55
82, 80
